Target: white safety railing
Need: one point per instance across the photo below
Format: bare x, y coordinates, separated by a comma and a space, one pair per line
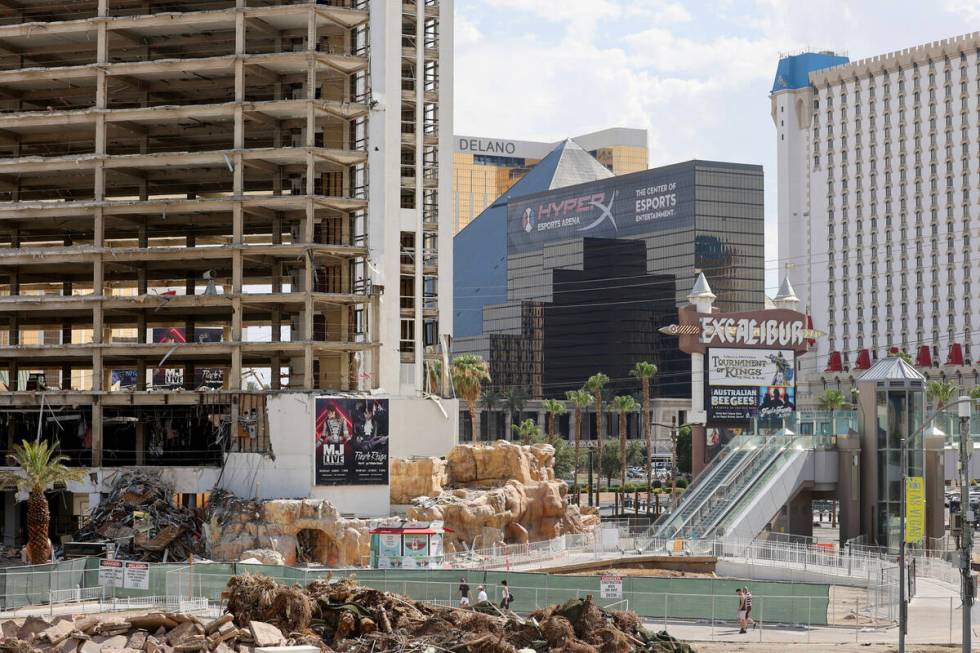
74, 595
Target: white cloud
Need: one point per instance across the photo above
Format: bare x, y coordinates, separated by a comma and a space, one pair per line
695, 75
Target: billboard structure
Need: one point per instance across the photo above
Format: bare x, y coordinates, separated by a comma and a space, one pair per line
743, 367
211, 377
743, 384
351, 441
620, 207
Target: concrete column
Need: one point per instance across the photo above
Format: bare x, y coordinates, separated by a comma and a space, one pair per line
96, 430
10, 512
935, 485
849, 486
140, 443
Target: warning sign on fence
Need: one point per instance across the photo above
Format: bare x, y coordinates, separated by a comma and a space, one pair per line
611, 587
129, 575
137, 575
111, 573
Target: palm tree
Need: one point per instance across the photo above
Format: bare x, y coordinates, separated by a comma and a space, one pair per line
515, 399
623, 404
941, 392
644, 371
595, 384
526, 431
975, 393
491, 400
40, 468
469, 371
832, 400
580, 400
554, 408
904, 355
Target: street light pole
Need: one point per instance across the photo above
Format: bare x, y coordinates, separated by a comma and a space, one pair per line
966, 527
902, 603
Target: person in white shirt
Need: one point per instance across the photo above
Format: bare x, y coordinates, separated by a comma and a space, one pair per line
481, 594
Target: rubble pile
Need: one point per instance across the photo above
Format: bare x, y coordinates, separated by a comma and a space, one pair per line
349, 618
139, 513
490, 493
155, 632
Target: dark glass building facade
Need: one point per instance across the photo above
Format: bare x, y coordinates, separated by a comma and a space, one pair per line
594, 269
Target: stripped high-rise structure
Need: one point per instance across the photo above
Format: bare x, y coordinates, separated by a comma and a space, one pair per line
208, 205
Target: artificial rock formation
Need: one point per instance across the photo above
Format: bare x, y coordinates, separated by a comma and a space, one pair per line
301, 530
416, 477
498, 492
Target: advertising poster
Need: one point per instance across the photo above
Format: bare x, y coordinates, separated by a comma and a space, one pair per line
751, 367
171, 377
776, 401
716, 437
611, 208
915, 509
389, 545
416, 546
743, 384
351, 441
732, 403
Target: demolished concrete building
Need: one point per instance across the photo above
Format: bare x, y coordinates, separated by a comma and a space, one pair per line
213, 212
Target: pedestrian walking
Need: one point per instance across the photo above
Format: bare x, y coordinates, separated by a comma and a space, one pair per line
481, 594
464, 593
747, 598
505, 596
740, 614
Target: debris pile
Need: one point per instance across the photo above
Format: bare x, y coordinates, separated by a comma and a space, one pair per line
139, 513
155, 632
349, 618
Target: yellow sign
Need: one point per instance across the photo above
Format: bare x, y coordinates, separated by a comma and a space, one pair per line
915, 509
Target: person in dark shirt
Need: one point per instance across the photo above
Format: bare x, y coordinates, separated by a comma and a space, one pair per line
464, 593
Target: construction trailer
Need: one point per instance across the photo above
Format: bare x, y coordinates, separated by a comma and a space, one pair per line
206, 203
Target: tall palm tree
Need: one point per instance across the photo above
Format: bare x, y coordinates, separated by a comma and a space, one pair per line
469, 372
623, 404
645, 371
554, 408
40, 468
941, 392
491, 399
514, 399
580, 401
595, 384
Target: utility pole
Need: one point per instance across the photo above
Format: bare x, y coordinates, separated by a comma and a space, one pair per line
966, 520
902, 602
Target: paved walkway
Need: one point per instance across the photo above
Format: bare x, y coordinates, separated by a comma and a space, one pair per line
934, 618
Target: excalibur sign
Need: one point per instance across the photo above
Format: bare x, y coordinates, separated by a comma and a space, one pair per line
744, 331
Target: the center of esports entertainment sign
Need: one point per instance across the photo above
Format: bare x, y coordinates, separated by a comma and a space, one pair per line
612, 208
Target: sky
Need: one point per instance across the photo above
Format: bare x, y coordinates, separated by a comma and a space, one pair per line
696, 75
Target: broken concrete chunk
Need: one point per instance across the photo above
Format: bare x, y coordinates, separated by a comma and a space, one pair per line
87, 624
245, 648
137, 640
224, 619
191, 643
180, 633
152, 621
114, 642
118, 650
69, 645
8, 629
58, 632
32, 626
265, 634
90, 646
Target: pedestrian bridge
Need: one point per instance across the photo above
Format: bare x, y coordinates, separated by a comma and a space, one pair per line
756, 475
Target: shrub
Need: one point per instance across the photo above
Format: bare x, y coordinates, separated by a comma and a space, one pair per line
682, 483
